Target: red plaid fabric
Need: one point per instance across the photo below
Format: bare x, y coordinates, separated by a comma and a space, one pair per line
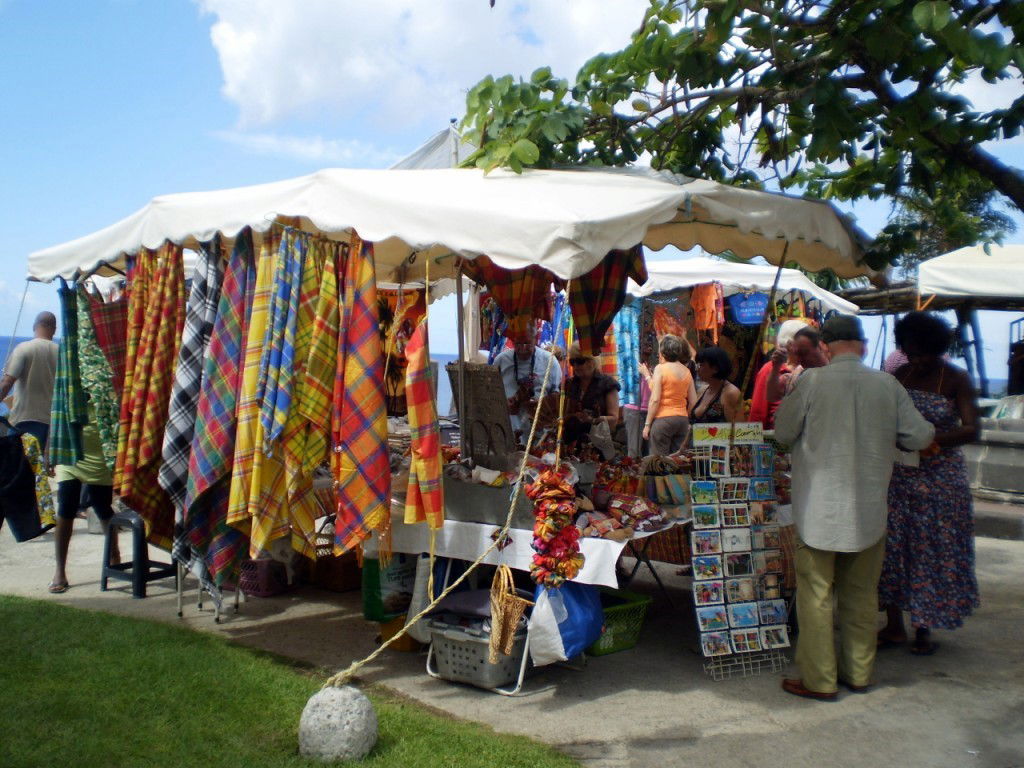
522, 294
424, 499
157, 315
360, 460
110, 323
596, 297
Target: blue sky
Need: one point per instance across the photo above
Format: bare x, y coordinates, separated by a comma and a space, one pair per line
111, 102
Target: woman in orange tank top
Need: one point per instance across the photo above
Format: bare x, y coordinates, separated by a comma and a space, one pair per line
672, 396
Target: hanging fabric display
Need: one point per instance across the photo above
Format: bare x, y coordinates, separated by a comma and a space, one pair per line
110, 325
200, 315
156, 315
627, 336
68, 412
248, 434
400, 312
98, 381
707, 302
424, 500
360, 460
492, 326
44, 494
610, 353
599, 294
209, 537
522, 294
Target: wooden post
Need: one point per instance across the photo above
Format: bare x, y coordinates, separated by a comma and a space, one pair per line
760, 331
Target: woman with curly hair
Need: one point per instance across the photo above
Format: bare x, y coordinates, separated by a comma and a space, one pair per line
929, 552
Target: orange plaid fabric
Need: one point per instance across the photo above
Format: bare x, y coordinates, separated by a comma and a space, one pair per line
156, 317
424, 500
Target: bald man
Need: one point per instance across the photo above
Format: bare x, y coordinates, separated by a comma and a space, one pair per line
31, 370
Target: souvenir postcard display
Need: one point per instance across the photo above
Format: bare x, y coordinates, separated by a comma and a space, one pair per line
737, 555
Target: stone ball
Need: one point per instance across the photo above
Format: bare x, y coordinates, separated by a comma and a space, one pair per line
337, 724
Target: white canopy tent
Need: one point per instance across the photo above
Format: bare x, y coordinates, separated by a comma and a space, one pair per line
666, 276
445, 149
971, 272
564, 220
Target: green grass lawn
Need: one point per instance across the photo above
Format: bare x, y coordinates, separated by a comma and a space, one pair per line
82, 689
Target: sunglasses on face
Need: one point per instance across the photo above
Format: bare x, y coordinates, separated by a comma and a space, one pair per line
578, 361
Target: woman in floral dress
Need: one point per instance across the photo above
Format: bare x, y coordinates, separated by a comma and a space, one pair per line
929, 557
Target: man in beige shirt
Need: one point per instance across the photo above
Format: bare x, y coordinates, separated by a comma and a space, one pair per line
31, 370
843, 423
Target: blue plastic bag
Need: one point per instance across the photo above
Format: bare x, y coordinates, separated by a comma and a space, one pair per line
565, 622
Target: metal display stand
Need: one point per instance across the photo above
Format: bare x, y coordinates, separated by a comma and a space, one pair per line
745, 664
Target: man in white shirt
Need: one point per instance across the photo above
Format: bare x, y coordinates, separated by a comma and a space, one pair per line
843, 423
522, 372
31, 371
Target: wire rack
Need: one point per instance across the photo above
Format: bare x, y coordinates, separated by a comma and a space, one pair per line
746, 664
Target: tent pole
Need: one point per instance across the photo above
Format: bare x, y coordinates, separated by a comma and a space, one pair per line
760, 331
966, 349
979, 355
461, 320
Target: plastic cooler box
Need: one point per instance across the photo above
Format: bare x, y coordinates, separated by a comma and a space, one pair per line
460, 655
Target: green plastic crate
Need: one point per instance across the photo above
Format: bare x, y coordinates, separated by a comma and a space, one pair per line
624, 614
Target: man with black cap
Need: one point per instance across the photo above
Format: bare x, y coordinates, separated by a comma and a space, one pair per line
843, 423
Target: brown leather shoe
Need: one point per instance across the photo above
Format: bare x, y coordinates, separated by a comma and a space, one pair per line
797, 688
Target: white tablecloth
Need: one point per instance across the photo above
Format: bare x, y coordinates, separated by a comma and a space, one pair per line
466, 541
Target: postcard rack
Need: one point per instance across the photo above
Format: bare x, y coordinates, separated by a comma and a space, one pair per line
720, 668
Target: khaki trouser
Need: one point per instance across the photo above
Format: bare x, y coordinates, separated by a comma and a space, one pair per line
854, 578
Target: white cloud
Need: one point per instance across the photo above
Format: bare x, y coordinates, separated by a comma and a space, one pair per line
350, 152
397, 62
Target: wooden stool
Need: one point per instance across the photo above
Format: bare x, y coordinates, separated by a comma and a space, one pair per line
139, 570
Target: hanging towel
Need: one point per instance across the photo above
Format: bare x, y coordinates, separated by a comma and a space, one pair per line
68, 412
360, 428
147, 394
200, 315
110, 325
424, 499
98, 382
598, 295
217, 544
706, 302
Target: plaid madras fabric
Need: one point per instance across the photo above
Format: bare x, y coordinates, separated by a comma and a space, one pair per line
200, 315
610, 354
110, 324
598, 295
68, 410
424, 499
360, 427
140, 278
44, 494
145, 402
248, 433
98, 381
277, 367
213, 444
317, 395
522, 294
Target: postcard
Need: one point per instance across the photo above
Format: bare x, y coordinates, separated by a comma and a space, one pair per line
746, 640
741, 460
743, 615
706, 516
707, 567
761, 489
775, 637
715, 643
733, 489
751, 433
739, 564
763, 512
766, 537
773, 611
763, 460
706, 542
701, 462
739, 590
735, 540
768, 586
704, 491
735, 515
712, 617
773, 561
708, 592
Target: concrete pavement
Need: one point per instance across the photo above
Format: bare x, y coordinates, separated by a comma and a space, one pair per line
652, 705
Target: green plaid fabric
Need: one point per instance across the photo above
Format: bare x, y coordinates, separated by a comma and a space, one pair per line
98, 380
68, 414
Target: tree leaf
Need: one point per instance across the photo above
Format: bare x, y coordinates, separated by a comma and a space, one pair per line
526, 152
932, 15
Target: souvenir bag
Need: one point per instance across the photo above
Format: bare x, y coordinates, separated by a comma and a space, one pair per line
507, 608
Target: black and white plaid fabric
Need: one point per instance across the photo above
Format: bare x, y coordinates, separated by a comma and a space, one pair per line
200, 312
